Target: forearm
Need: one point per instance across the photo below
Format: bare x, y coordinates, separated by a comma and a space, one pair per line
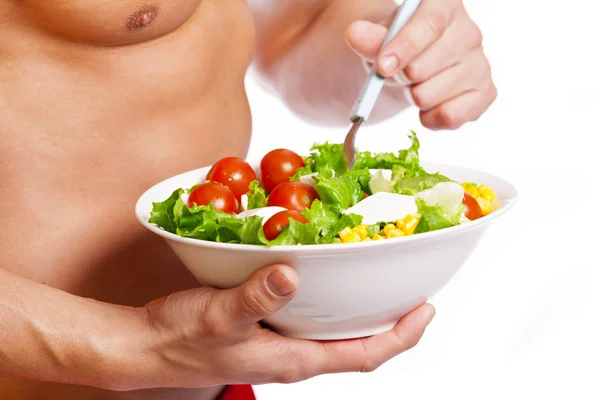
49, 335
316, 73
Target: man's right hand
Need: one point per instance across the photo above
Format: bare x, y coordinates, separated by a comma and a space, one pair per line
205, 337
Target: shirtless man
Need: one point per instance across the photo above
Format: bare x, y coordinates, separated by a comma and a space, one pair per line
100, 99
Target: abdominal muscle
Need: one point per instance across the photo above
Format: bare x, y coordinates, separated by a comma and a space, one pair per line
85, 130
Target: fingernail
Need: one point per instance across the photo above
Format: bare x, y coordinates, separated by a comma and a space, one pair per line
408, 96
389, 64
279, 284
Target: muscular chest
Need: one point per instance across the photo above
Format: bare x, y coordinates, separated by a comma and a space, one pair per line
101, 98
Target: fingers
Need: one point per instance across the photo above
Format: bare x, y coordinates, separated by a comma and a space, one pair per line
460, 110
306, 359
427, 25
365, 355
458, 79
404, 336
265, 292
461, 39
431, 42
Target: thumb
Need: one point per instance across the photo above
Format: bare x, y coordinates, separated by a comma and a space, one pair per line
266, 291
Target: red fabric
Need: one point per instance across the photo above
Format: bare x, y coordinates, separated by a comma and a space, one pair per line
238, 392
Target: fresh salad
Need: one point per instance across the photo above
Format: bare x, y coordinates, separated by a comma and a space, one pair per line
295, 200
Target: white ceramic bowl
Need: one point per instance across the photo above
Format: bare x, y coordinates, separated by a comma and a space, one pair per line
346, 290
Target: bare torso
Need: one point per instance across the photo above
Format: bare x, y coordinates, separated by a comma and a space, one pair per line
96, 108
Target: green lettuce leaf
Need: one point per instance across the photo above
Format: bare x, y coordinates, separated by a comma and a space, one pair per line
410, 156
163, 214
257, 197
407, 158
206, 223
416, 184
434, 217
178, 209
328, 157
350, 220
363, 177
321, 217
200, 222
336, 194
246, 232
339, 193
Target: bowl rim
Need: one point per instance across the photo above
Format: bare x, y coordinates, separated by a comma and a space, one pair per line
507, 205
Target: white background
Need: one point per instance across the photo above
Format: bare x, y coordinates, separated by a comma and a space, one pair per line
520, 321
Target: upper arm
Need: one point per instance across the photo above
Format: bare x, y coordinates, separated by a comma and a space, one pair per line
280, 24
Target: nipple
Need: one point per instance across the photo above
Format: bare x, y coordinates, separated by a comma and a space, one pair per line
142, 18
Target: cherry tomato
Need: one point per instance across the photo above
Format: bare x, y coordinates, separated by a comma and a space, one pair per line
293, 196
365, 195
234, 173
279, 166
216, 193
278, 222
472, 208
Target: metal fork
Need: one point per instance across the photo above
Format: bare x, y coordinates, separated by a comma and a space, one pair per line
374, 84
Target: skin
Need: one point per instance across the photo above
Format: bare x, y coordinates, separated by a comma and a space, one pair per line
100, 101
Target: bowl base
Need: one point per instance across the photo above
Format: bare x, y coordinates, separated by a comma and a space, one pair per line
354, 334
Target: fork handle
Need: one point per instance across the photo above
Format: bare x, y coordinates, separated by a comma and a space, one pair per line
374, 83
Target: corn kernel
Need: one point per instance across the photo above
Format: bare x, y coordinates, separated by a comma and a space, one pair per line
410, 223
364, 226
486, 205
483, 188
362, 232
347, 235
410, 217
388, 227
473, 191
465, 184
395, 233
377, 237
400, 224
366, 239
488, 194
